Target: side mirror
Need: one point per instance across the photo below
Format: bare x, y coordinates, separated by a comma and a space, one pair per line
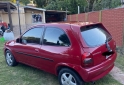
19, 40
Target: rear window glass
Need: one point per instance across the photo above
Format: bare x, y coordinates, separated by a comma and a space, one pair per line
94, 35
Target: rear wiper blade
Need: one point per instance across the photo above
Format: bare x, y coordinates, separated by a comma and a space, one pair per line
109, 38
107, 45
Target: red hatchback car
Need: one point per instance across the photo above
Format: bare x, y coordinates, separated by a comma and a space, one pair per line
76, 52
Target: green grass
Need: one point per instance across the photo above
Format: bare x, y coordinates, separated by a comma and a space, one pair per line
120, 61
26, 75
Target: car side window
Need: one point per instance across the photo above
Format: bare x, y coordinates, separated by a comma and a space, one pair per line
33, 36
55, 37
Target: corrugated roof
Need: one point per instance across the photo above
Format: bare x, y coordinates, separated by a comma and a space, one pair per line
40, 9
56, 11
34, 8
3, 5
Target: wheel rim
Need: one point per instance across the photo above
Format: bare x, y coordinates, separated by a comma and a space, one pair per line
68, 79
9, 58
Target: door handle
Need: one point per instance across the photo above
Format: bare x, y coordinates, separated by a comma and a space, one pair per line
36, 50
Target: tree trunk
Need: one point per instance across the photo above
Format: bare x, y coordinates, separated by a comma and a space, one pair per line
91, 2
109, 3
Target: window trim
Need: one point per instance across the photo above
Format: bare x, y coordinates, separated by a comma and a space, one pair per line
59, 29
41, 36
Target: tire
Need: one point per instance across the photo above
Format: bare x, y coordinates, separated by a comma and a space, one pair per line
69, 77
10, 60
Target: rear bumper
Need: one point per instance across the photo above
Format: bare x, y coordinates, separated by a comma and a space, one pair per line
99, 71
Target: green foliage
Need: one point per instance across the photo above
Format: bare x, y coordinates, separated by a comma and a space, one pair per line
25, 2
115, 3
72, 5
41, 3
106, 4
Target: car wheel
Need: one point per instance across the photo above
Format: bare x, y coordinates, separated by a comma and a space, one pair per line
69, 77
10, 60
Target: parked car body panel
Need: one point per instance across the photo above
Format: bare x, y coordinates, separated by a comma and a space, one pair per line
49, 58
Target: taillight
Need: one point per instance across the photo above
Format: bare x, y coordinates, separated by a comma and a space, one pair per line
87, 59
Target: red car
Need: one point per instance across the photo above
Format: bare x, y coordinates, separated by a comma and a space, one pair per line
76, 52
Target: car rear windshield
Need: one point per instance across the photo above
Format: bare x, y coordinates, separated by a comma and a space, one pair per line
94, 35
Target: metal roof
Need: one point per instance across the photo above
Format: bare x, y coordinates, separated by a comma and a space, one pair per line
48, 11
56, 11
34, 8
3, 5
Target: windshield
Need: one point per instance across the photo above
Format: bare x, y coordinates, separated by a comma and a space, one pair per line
94, 35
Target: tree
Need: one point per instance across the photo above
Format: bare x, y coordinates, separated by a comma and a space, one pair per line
41, 3
95, 5
90, 4
13, 1
71, 5
25, 2
106, 4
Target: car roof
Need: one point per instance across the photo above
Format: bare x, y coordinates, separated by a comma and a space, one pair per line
72, 23
77, 23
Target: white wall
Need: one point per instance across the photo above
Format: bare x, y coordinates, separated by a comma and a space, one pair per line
15, 19
25, 16
28, 16
14, 15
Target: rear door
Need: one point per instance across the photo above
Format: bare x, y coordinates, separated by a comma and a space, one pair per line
98, 42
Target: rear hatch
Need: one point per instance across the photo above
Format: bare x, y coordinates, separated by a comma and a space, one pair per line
98, 43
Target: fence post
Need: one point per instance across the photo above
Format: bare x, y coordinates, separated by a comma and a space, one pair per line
70, 17
77, 18
86, 17
123, 34
100, 16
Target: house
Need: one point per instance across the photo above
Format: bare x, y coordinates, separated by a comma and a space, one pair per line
122, 1
30, 16
33, 15
6, 7
26, 14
